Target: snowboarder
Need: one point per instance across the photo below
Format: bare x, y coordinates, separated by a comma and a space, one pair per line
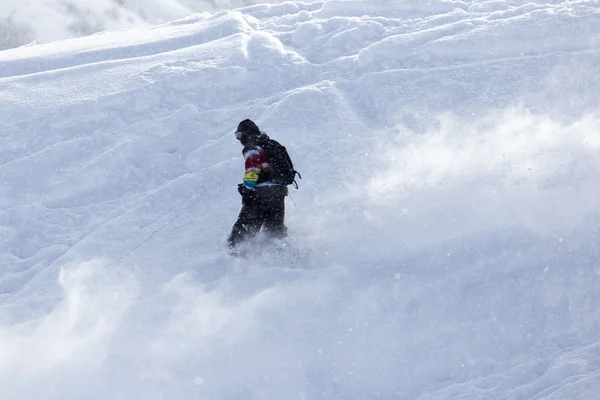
268, 171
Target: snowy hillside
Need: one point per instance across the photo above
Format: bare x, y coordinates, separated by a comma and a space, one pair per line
41, 21
448, 211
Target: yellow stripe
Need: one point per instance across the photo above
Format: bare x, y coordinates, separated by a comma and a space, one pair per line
251, 176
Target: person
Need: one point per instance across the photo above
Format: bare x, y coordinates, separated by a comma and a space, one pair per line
263, 201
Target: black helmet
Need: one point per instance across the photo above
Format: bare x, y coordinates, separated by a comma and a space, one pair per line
246, 130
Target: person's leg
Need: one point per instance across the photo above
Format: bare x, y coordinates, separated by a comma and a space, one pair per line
273, 206
248, 223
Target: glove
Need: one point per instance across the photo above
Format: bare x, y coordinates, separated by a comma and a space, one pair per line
245, 191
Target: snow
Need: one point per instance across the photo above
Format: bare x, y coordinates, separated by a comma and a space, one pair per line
26, 22
448, 212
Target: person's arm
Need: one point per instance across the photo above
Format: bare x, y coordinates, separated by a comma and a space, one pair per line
252, 164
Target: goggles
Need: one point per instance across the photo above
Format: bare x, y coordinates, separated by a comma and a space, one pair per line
239, 134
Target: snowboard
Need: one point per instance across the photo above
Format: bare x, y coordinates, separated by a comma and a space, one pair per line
270, 253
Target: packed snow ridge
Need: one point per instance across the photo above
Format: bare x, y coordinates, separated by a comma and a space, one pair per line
447, 217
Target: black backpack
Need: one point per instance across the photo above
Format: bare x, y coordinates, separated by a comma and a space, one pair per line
281, 166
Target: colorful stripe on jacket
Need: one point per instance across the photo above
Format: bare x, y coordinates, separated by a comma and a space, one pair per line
255, 162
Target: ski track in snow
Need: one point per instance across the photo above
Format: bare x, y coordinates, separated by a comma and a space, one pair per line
448, 212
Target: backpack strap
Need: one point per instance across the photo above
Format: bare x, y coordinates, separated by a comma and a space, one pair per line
299, 176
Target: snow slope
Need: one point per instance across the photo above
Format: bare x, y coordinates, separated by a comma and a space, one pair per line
449, 206
41, 21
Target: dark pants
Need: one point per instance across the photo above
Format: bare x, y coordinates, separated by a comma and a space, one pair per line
265, 208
